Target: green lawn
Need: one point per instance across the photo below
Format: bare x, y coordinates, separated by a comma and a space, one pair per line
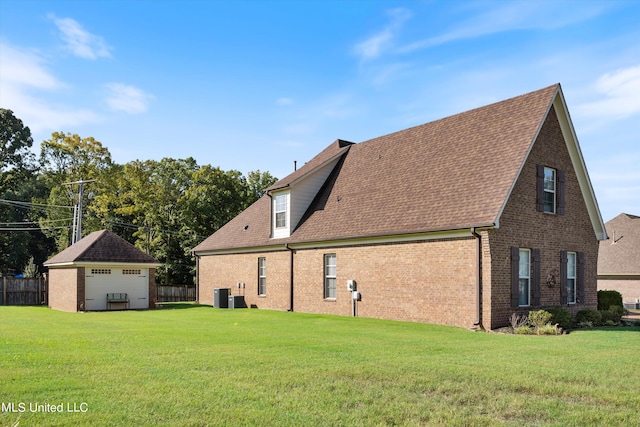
203, 366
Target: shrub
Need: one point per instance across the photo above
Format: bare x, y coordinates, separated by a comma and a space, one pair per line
560, 316
548, 329
614, 314
608, 298
523, 330
594, 317
539, 318
517, 320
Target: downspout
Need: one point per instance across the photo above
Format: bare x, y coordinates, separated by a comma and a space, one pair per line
478, 239
198, 278
291, 252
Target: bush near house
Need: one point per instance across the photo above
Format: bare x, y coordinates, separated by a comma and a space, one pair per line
608, 298
588, 318
560, 316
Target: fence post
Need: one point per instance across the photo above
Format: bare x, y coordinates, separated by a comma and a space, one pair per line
4, 290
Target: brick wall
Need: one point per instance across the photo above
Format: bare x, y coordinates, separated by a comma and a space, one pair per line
430, 281
63, 289
521, 225
629, 288
226, 271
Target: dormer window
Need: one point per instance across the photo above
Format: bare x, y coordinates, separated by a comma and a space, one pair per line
281, 210
281, 215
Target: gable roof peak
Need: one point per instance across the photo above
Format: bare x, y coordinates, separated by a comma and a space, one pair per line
101, 246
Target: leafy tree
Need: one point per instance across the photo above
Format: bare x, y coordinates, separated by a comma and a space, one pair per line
257, 183
67, 158
18, 182
16, 158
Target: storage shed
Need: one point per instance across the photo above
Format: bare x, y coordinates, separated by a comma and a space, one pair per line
101, 272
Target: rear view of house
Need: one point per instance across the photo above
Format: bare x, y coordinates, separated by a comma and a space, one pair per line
461, 221
102, 271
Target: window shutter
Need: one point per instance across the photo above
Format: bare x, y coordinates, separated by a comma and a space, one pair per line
540, 188
580, 277
535, 278
563, 277
515, 276
560, 191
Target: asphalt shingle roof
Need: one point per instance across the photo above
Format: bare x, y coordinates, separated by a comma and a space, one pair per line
448, 174
620, 255
101, 246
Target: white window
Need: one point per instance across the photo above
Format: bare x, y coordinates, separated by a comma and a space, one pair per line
100, 271
571, 277
131, 271
524, 282
262, 276
549, 190
330, 276
281, 210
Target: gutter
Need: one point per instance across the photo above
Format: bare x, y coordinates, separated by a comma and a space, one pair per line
478, 324
291, 252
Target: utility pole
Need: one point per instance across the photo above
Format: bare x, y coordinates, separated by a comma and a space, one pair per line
77, 210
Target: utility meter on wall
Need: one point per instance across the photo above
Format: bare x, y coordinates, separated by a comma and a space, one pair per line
351, 285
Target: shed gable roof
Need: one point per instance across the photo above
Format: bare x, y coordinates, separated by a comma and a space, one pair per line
449, 174
101, 246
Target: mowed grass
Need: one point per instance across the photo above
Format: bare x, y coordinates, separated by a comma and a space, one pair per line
203, 366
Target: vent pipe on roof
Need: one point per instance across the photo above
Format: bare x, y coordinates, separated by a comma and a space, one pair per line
295, 165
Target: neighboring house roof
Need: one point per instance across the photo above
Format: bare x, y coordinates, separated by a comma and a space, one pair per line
449, 174
101, 247
620, 255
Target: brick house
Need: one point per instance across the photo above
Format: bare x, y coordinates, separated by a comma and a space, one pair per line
461, 221
81, 276
619, 259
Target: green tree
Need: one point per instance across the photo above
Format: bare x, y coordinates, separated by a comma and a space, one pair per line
16, 158
68, 158
18, 185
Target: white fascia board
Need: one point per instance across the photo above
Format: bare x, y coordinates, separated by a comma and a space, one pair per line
374, 240
248, 250
579, 165
105, 264
577, 160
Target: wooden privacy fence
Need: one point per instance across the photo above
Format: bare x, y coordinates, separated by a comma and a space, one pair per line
31, 291
175, 293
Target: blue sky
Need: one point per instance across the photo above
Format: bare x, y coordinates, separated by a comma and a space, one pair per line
251, 85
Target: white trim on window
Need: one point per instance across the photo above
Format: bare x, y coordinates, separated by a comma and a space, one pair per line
572, 262
330, 269
262, 276
524, 278
550, 186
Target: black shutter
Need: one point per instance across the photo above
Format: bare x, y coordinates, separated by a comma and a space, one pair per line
535, 278
563, 277
540, 188
515, 276
580, 278
560, 191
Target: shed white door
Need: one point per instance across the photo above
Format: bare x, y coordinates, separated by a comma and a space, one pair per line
102, 281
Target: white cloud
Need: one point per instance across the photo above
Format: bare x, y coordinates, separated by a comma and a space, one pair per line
376, 44
79, 41
621, 95
127, 98
511, 16
284, 101
23, 81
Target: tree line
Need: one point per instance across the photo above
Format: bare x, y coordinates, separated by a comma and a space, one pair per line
164, 208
